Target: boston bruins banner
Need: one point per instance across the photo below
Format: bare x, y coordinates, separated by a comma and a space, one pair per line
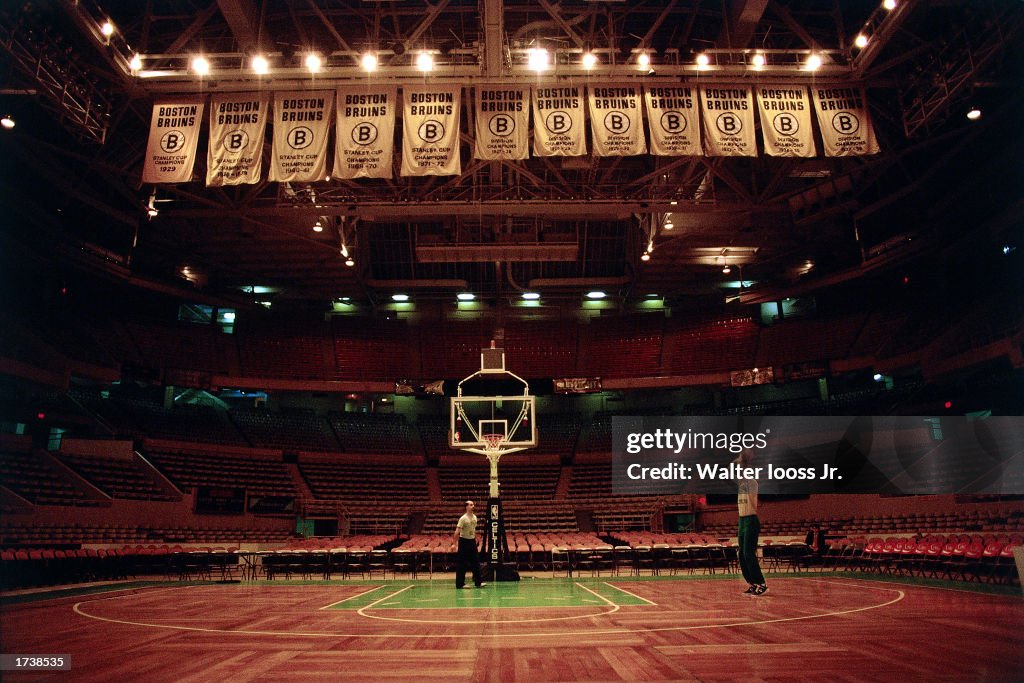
728, 121
301, 121
673, 120
616, 121
845, 123
786, 121
502, 120
430, 131
173, 134
364, 143
238, 122
558, 121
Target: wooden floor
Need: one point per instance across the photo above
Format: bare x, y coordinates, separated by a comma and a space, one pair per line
803, 629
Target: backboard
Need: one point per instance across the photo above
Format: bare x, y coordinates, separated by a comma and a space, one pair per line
474, 418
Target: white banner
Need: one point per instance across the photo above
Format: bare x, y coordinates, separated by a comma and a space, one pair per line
301, 122
173, 134
616, 120
238, 122
845, 122
430, 131
558, 121
786, 121
502, 123
673, 119
364, 144
728, 121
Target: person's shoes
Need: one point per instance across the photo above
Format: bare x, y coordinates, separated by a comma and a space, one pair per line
760, 590
481, 584
462, 587
750, 591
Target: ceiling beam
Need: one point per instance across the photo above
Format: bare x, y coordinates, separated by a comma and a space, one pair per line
242, 17
743, 21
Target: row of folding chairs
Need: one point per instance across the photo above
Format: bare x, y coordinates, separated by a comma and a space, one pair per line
324, 564
961, 558
636, 561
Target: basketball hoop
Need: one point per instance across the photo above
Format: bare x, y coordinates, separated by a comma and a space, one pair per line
493, 442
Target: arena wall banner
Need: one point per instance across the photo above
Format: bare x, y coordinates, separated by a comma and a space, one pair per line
173, 134
786, 121
558, 121
845, 121
238, 123
430, 131
673, 119
728, 112
364, 137
301, 123
502, 123
616, 120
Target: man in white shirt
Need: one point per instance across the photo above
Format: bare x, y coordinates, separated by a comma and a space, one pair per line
465, 538
749, 530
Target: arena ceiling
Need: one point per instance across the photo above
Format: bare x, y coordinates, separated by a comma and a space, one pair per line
561, 225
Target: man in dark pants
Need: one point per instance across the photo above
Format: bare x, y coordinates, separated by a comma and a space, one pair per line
749, 529
465, 537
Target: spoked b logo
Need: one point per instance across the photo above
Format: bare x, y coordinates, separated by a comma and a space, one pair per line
172, 141
501, 125
728, 123
431, 131
616, 122
845, 123
785, 124
364, 133
673, 122
300, 138
236, 140
558, 122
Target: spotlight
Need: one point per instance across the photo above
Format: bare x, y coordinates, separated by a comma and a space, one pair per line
344, 251
369, 62
260, 64
151, 209
399, 297
537, 59
531, 296
974, 114
645, 256
861, 41
596, 294
107, 29
350, 262
7, 122
643, 60
813, 62
136, 63
757, 60
313, 62
878, 377
703, 60
669, 225
889, 5
726, 269
318, 227
465, 296
425, 61
200, 65
589, 61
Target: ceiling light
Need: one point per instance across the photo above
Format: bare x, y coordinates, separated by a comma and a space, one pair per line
136, 63
531, 296
596, 294
260, 64
151, 209
313, 62
974, 114
107, 29
200, 65
889, 4
369, 61
229, 316
327, 178
757, 60
878, 377
7, 122
345, 298
589, 60
465, 296
669, 225
813, 62
703, 59
318, 227
425, 61
399, 297
645, 256
344, 251
861, 41
643, 60
726, 269
351, 262
673, 202
538, 59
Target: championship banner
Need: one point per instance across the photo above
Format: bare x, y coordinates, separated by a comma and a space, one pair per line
364, 145
502, 123
616, 122
430, 131
173, 134
728, 121
845, 122
786, 121
238, 122
558, 122
301, 121
673, 120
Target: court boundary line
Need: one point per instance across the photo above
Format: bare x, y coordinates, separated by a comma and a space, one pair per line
553, 634
649, 602
352, 597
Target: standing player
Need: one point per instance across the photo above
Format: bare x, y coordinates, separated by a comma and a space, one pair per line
749, 529
465, 537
